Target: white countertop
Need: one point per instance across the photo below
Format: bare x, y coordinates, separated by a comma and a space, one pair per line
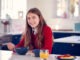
9, 55
67, 31
70, 39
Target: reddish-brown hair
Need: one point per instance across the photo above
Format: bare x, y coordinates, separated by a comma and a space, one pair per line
29, 29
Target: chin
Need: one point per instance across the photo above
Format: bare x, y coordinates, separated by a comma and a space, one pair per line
33, 26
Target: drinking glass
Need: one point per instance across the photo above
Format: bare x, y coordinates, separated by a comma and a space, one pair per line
44, 54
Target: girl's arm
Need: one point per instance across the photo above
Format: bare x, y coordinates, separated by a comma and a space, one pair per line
48, 39
21, 43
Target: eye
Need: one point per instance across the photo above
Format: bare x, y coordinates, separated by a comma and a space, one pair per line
28, 18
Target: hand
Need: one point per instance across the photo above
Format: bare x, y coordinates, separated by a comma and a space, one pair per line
30, 53
10, 46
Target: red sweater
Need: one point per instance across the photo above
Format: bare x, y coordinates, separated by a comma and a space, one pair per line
48, 39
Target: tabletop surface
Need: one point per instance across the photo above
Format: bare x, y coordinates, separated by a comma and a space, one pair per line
9, 55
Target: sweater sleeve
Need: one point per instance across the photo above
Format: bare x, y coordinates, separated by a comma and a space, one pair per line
21, 43
48, 39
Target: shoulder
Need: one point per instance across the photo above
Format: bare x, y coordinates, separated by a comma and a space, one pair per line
46, 28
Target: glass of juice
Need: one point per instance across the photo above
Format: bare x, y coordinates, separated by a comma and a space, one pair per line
44, 54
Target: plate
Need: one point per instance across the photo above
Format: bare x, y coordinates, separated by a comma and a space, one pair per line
63, 57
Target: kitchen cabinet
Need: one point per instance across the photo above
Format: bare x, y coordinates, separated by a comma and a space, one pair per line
60, 34
67, 45
66, 48
61, 48
76, 49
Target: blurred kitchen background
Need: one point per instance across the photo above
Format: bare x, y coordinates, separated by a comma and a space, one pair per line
60, 15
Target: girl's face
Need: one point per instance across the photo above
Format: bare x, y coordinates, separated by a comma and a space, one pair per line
33, 20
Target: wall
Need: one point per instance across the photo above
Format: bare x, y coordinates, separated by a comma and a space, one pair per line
58, 23
1, 29
18, 26
45, 6
48, 9
0, 8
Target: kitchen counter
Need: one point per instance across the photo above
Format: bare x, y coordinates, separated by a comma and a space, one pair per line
67, 45
67, 31
70, 39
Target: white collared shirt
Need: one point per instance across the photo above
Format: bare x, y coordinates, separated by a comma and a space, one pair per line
34, 31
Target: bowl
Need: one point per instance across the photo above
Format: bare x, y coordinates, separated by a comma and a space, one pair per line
21, 50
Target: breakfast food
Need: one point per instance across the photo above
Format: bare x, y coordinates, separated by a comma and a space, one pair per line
67, 56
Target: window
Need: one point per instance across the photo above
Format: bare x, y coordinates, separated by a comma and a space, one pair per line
12, 8
67, 8
14, 11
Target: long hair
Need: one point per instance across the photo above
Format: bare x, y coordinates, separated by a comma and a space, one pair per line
40, 27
